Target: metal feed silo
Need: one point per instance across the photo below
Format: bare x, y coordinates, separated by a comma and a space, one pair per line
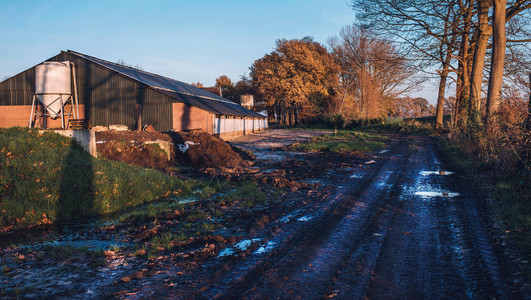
53, 86
53, 90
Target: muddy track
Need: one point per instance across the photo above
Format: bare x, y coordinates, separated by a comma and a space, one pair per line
401, 231
385, 225
311, 239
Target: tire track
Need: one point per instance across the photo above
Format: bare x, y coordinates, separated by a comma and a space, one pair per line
306, 263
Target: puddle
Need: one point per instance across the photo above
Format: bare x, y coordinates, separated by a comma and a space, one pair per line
266, 248
312, 181
436, 194
270, 156
187, 200
93, 245
241, 246
276, 155
428, 173
226, 252
286, 218
304, 218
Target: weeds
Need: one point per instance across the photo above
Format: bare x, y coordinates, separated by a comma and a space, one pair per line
505, 176
342, 142
248, 195
162, 241
410, 126
209, 227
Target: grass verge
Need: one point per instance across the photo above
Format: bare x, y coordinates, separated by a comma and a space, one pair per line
344, 141
47, 178
400, 127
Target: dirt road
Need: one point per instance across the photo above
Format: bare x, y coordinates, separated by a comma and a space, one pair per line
396, 224
400, 226
274, 138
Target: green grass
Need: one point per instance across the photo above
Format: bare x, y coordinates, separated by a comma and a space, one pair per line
203, 218
46, 178
344, 141
163, 241
402, 127
248, 195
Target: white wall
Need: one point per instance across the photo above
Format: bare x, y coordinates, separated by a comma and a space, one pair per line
229, 124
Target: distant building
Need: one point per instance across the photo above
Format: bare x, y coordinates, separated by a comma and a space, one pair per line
247, 101
110, 94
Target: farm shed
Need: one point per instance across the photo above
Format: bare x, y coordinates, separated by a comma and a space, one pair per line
110, 93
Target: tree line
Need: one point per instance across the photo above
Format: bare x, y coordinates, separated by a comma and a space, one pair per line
366, 70
468, 39
359, 76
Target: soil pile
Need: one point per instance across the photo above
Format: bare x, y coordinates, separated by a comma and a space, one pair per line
202, 150
130, 147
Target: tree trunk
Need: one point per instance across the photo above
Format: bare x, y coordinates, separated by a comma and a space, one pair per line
484, 33
498, 60
440, 102
528, 120
463, 88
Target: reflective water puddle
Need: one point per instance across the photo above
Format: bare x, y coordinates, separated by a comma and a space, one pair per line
304, 218
187, 200
241, 246
441, 172
432, 194
266, 248
288, 217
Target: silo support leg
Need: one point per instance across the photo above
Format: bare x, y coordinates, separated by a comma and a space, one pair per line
30, 123
62, 113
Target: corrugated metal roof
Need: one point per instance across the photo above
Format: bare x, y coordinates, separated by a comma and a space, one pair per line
177, 90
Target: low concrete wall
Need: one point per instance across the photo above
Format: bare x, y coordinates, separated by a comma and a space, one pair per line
164, 145
86, 138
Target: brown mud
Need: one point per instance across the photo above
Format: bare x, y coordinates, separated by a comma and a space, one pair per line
385, 225
204, 151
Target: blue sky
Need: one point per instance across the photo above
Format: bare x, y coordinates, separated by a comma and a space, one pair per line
191, 41
186, 40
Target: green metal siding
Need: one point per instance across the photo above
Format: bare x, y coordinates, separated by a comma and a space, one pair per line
109, 97
19, 89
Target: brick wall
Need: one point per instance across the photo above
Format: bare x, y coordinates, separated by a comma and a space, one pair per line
186, 117
18, 115
14, 115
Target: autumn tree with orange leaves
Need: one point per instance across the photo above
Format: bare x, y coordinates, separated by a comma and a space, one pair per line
296, 79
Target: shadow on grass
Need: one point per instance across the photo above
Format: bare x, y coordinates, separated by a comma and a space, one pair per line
76, 193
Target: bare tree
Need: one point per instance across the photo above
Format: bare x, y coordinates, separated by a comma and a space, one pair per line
450, 31
483, 33
426, 28
502, 13
372, 70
